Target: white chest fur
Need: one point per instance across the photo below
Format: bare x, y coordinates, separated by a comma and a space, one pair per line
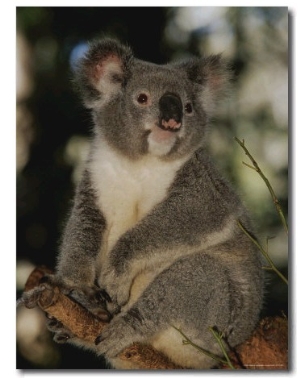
127, 190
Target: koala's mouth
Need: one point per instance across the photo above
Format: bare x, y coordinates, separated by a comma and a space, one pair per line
163, 134
169, 125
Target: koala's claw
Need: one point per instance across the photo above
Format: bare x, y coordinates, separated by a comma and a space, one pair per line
54, 325
61, 338
61, 333
102, 295
98, 339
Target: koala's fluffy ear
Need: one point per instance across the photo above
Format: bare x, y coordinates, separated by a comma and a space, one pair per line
101, 73
213, 74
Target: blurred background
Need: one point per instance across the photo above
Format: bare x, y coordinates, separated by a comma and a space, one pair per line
53, 129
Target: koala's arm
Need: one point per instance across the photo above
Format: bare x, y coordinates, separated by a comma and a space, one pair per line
194, 216
81, 240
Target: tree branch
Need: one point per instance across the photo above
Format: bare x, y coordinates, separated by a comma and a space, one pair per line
86, 326
266, 349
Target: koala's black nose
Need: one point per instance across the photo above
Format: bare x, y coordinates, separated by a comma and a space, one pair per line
170, 107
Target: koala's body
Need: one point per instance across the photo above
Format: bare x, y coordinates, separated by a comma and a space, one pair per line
154, 226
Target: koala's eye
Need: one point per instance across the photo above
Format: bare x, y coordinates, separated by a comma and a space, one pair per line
188, 108
142, 99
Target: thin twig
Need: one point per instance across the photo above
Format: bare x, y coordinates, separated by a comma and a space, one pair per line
219, 339
202, 350
264, 253
259, 171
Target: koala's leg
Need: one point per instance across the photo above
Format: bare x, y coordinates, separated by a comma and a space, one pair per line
193, 294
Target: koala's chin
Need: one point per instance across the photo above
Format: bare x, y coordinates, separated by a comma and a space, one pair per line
160, 141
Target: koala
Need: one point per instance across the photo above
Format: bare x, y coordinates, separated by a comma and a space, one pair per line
152, 242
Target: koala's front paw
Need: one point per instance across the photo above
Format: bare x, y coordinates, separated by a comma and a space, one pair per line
94, 300
115, 337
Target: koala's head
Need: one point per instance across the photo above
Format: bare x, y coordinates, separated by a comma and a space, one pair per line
142, 108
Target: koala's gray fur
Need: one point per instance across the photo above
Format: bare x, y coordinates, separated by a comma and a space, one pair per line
152, 240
